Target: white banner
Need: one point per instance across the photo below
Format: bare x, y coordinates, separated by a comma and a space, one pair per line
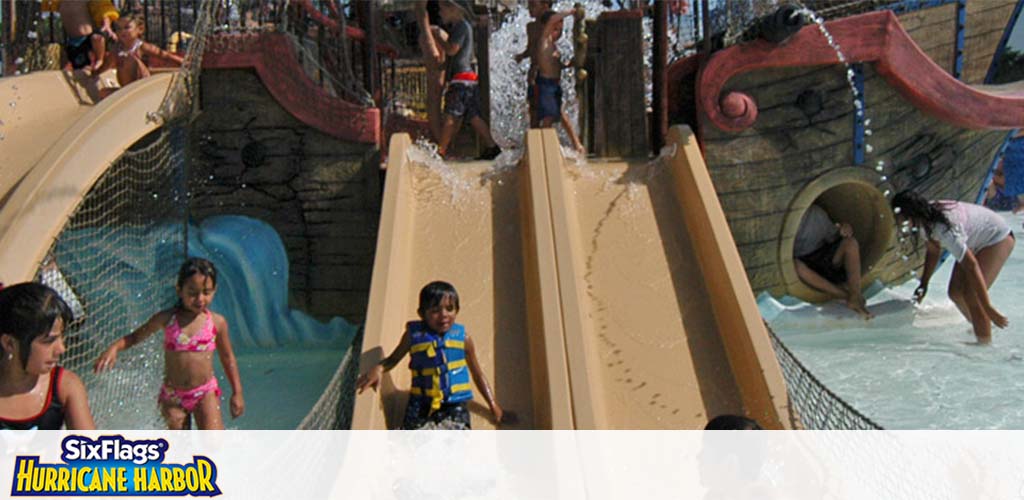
427, 465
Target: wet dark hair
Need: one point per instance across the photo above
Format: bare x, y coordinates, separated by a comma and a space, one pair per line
28, 311
192, 267
732, 423
434, 293
923, 212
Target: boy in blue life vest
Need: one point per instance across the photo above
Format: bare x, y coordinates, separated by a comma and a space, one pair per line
442, 358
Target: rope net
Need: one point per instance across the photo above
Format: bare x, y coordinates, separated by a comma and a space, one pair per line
114, 261
816, 407
116, 258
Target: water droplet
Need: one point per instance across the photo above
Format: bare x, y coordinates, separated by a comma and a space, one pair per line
884, 178
897, 210
867, 131
155, 196
243, 185
868, 148
867, 121
905, 258
12, 104
19, 61
211, 177
887, 192
32, 35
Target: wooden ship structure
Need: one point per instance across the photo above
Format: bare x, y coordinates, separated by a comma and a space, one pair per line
900, 98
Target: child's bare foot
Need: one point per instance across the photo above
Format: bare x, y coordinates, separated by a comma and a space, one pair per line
859, 305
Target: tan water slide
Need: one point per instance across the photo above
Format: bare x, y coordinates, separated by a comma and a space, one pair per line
56, 144
604, 295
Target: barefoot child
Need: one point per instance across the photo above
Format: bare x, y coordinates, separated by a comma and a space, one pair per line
131, 49
440, 352
461, 96
191, 333
84, 45
548, 88
826, 256
980, 241
536, 8
36, 393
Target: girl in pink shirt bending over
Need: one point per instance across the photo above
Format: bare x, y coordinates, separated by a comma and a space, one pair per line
977, 237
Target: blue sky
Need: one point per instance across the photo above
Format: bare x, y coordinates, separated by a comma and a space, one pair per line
1017, 36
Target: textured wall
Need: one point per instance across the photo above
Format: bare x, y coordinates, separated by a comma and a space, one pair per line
322, 195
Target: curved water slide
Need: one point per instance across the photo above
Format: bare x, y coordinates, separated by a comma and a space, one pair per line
57, 144
608, 295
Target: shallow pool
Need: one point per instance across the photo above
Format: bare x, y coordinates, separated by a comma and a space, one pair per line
913, 367
280, 385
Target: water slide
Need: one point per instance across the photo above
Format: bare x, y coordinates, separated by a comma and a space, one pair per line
56, 144
608, 295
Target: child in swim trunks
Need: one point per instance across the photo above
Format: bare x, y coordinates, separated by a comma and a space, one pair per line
536, 8
442, 360
191, 334
131, 49
461, 95
84, 45
548, 83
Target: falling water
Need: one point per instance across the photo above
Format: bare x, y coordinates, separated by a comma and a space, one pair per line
509, 113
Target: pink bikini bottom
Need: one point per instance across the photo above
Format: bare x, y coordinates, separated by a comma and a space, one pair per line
188, 398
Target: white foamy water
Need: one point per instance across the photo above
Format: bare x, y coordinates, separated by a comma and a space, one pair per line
913, 367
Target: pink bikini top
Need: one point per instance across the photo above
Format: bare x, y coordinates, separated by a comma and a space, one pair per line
176, 340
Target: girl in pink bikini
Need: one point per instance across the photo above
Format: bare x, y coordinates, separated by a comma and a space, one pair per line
191, 334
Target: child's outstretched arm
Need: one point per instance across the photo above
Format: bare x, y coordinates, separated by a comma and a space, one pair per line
481, 381
108, 359
372, 377
77, 415
154, 51
230, 364
552, 23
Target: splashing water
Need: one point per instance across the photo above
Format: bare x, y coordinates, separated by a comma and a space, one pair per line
509, 112
424, 153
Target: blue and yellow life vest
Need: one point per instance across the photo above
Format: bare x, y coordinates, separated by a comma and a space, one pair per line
438, 364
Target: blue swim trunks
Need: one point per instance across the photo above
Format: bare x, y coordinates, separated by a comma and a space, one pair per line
462, 100
548, 95
77, 49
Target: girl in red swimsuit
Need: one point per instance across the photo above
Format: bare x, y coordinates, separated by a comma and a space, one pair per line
36, 393
191, 335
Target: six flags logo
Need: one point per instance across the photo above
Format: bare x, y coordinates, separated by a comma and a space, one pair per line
113, 466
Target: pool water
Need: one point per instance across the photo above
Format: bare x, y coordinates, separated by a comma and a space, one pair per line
280, 385
916, 366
